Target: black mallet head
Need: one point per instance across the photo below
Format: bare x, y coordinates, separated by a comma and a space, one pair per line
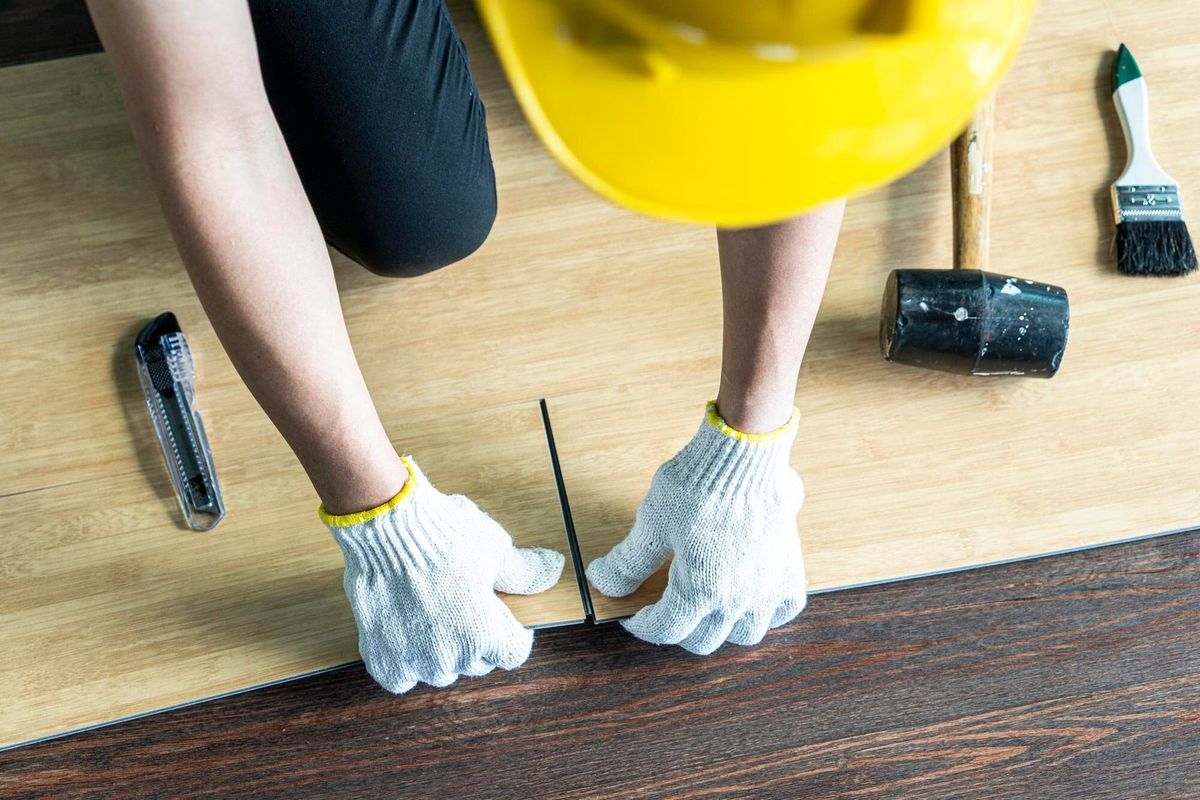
973, 323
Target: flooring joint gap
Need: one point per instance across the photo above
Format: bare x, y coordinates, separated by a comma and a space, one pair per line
585, 594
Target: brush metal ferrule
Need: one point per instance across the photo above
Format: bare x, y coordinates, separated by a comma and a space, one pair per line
1144, 203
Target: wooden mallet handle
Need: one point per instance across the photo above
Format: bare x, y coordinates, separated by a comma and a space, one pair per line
971, 181
968, 320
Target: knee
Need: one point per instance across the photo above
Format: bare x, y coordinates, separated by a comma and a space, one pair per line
410, 242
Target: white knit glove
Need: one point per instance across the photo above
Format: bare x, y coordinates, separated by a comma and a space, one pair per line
421, 575
726, 505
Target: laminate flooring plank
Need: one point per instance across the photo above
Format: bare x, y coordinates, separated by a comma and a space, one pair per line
613, 317
85, 258
109, 607
1075, 676
911, 471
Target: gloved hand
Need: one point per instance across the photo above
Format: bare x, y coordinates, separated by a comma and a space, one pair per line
421, 575
726, 505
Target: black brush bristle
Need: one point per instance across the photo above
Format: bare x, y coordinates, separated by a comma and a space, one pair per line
1154, 247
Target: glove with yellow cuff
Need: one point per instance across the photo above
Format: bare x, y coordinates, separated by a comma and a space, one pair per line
726, 506
421, 575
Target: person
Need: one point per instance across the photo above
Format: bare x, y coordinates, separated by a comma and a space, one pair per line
271, 128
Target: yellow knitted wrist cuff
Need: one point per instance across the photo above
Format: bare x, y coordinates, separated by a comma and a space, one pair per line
358, 517
721, 425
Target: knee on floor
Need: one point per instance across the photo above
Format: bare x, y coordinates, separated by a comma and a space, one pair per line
417, 241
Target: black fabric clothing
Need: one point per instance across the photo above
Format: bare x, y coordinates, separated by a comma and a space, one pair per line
380, 111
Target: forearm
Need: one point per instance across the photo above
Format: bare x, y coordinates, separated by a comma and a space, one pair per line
259, 265
247, 235
772, 281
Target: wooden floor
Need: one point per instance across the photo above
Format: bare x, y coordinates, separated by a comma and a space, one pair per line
1109, 455
909, 471
1072, 677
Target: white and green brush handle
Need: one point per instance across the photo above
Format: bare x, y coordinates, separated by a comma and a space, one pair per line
1144, 192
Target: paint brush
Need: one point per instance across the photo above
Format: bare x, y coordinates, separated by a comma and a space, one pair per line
1152, 238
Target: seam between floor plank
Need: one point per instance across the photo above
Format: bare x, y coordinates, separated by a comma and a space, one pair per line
576, 559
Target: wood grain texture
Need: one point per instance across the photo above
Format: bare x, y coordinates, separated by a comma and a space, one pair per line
84, 261
1069, 677
910, 471
615, 317
83, 248
109, 607
971, 162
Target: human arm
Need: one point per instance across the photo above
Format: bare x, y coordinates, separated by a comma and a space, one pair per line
772, 281
189, 75
422, 568
726, 504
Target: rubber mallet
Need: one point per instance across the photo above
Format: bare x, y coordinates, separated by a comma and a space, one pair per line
967, 320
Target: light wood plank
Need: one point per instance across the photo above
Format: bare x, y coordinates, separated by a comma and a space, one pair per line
616, 318
908, 471
85, 259
109, 607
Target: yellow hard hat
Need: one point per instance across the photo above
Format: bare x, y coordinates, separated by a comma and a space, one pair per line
742, 113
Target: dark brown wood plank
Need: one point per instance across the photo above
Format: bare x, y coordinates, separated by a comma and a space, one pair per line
32, 30
1076, 676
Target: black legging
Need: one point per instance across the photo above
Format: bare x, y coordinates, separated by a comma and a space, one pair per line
377, 104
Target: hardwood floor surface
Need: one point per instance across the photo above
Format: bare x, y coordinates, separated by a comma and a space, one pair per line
1076, 676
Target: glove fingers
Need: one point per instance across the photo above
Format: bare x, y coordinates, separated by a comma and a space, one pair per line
788, 610
480, 666
626, 566
797, 490
396, 679
442, 675
511, 641
709, 634
794, 590
440, 679
752, 627
401, 687
668, 621
528, 570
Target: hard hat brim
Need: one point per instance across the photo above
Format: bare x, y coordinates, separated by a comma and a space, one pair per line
757, 145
